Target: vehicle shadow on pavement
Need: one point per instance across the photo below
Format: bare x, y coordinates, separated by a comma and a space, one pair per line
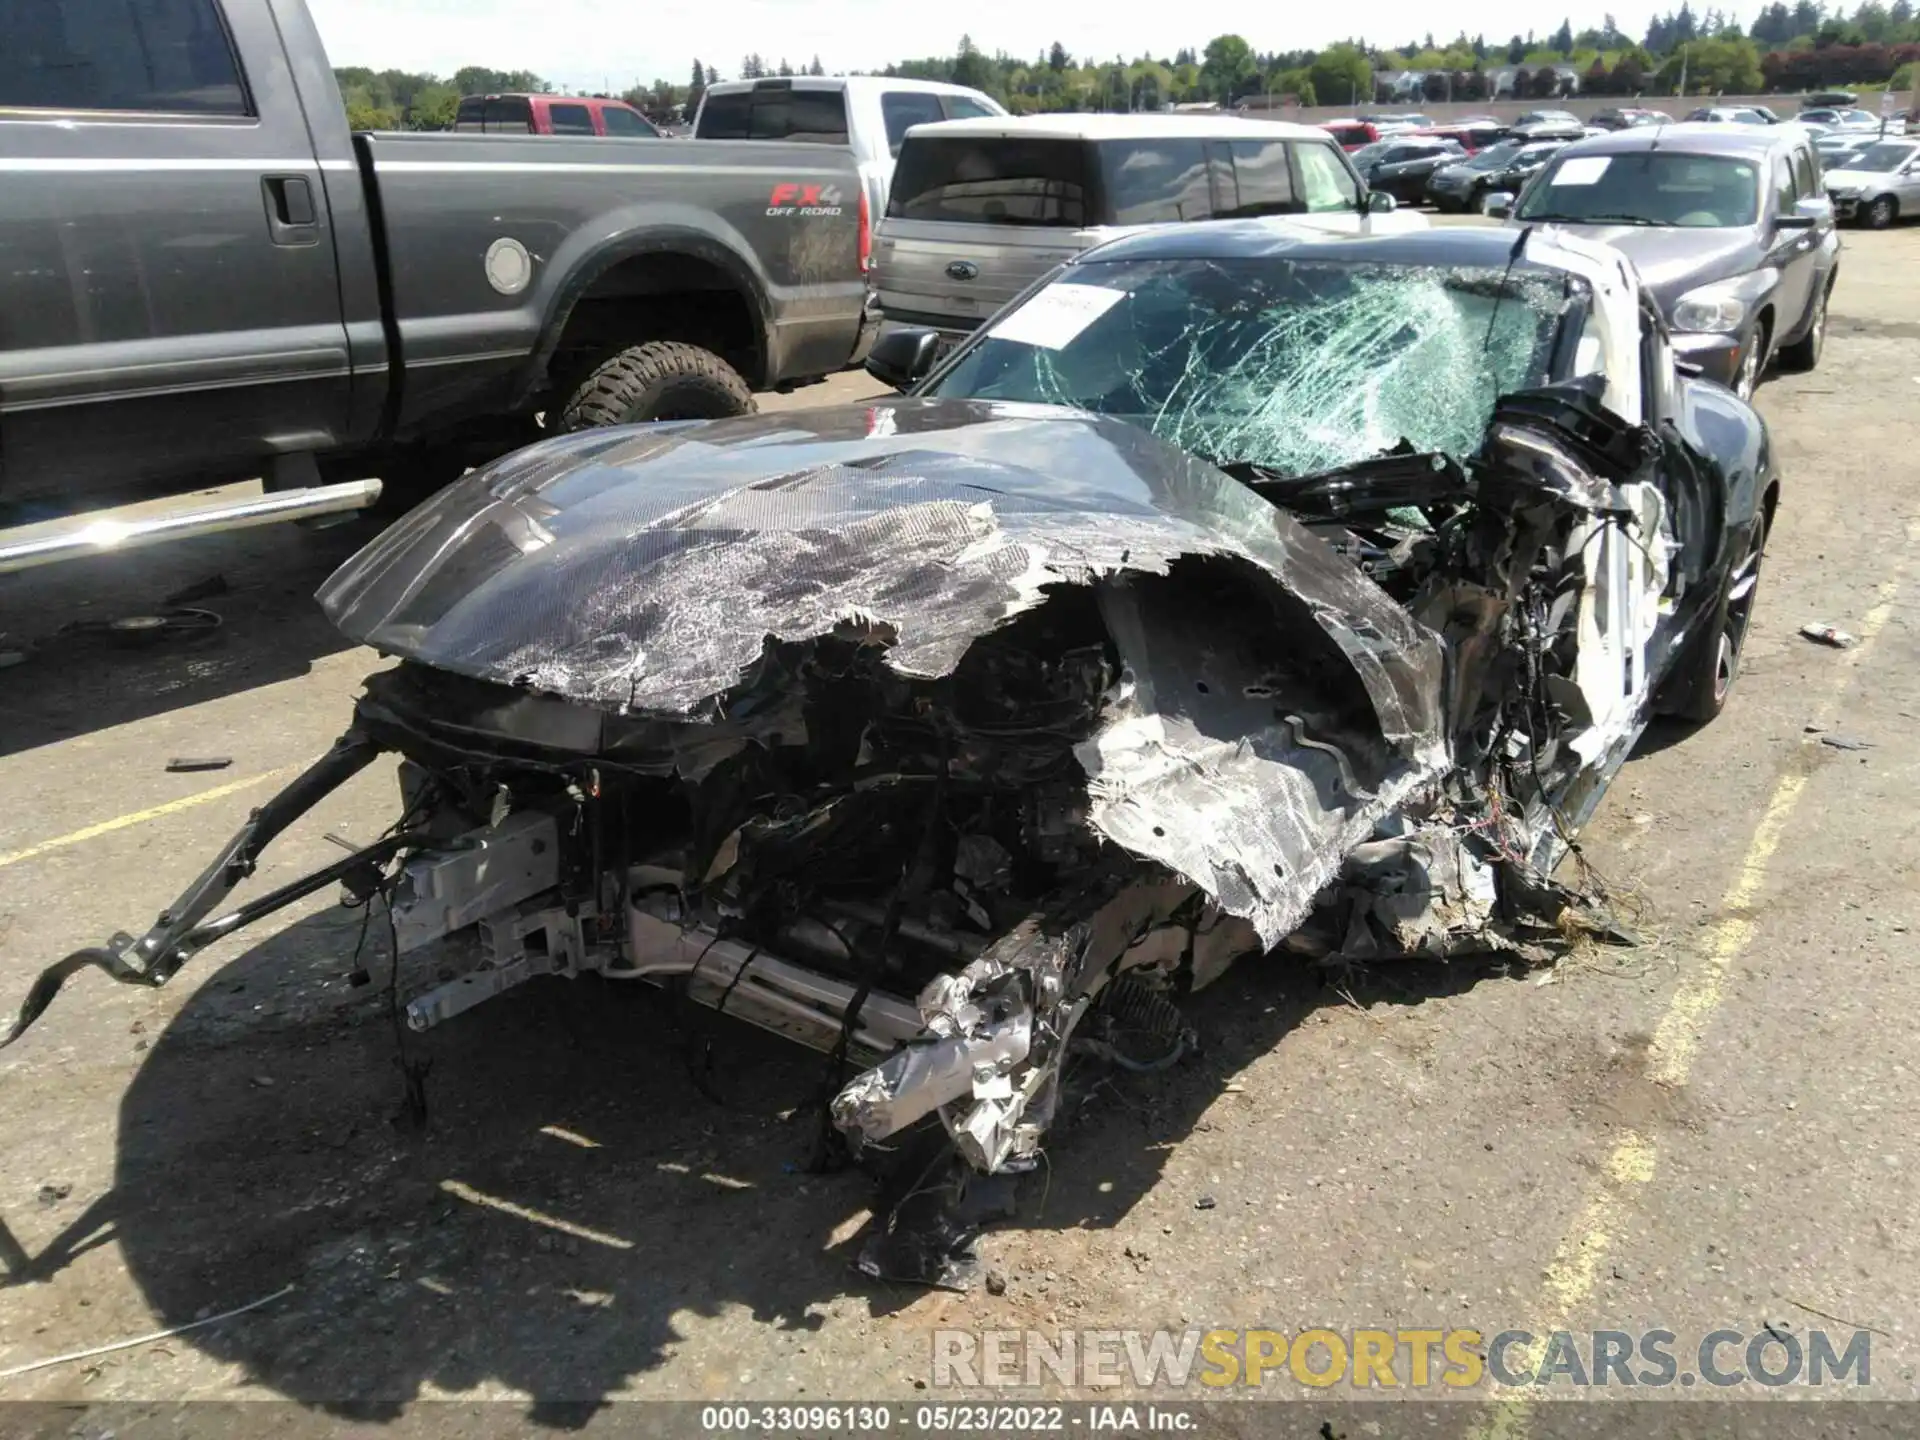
598, 1163
78, 676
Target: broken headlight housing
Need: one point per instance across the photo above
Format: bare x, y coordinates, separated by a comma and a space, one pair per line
1711, 309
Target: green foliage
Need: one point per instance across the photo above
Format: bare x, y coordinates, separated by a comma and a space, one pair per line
1227, 65
433, 108
1341, 75
1714, 67
973, 69
1787, 47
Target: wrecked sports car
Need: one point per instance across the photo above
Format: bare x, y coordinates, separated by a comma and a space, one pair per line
1238, 591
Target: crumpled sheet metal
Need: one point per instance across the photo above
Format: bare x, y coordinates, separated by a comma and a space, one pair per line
643, 571
918, 1079
1427, 892
1210, 772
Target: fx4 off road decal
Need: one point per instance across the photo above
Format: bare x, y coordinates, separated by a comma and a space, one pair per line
791, 198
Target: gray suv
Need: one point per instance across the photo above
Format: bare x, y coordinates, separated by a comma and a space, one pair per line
1728, 225
981, 209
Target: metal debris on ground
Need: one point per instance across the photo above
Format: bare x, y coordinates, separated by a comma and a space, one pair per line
190, 764
1825, 634
135, 631
1846, 742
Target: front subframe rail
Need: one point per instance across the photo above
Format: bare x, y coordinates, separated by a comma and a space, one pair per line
183, 928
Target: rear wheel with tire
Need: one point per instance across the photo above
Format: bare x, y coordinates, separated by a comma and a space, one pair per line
1881, 213
1804, 353
661, 380
1700, 684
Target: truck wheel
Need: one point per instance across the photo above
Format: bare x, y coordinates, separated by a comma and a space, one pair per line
661, 380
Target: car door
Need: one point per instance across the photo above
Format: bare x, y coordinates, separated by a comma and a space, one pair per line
172, 296
1795, 253
1906, 183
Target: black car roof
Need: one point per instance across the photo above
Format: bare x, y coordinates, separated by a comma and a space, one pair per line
1447, 245
1696, 139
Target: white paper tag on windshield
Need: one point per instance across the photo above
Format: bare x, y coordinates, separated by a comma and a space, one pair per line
1581, 170
1057, 314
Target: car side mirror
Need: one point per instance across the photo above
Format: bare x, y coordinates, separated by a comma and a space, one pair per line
1379, 203
1796, 221
903, 358
1498, 204
1816, 208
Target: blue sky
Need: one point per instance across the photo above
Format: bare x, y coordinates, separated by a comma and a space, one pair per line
591, 43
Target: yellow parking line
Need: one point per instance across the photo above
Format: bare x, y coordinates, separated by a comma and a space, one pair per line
140, 817
1677, 1037
463, 1191
1575, 1270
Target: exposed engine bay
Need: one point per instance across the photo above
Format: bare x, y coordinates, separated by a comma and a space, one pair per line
903, 755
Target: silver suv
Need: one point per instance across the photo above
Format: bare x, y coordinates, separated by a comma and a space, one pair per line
981, 209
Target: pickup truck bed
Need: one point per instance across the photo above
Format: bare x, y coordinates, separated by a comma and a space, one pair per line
227, 283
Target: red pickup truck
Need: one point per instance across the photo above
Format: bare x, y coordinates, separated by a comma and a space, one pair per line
1351, 134
550, 115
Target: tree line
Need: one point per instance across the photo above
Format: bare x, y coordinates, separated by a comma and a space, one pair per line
1785, 49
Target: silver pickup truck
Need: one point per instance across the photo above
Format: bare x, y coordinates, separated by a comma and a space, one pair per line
205, 277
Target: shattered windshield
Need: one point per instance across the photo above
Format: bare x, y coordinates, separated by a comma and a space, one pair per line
1296, 366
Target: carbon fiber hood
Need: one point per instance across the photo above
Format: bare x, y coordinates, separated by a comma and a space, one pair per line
643, 570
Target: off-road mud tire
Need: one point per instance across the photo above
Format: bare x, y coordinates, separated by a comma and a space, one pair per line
661, 380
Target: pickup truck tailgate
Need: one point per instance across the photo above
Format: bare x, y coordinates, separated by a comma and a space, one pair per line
954, 275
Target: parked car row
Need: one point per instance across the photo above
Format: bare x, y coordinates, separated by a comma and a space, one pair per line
1465, 185
1876, 185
